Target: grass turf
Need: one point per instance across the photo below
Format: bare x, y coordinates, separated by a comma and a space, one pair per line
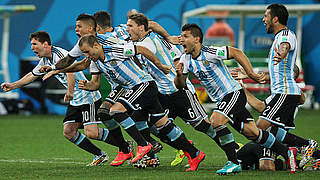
33, 147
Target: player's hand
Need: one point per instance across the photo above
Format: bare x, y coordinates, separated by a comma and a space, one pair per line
238, 73
174, 40
179, 68
45, 69
259, 77
82, 84
6, 87
166, 69
277, 57
68, 97
49, 74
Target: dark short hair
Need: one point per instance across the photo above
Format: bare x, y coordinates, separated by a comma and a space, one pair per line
103, 19
194, 29
140, 19
89, 39
41, 36
280, 11
87, 19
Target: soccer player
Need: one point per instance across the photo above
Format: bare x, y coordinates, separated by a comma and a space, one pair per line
183, 102
86, 24
82, 107
142, 91
207, 65
285, 93
253, 157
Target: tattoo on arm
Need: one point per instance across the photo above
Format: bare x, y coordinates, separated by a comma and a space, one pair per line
65, 62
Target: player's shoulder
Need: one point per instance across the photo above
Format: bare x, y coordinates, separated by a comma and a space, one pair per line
60, 52
287, 33
210, 50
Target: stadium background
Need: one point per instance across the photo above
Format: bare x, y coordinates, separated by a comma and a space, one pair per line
58, 18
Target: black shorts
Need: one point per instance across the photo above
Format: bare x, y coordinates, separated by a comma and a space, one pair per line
281, 109
143, 99
85, 114
233, 107
115, 94
184, 104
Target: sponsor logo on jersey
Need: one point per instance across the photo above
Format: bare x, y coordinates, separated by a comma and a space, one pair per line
129, 52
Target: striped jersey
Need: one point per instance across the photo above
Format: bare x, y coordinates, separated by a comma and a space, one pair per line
211, 71
80, 96
120, 67
118, 35
282, 75
167, 53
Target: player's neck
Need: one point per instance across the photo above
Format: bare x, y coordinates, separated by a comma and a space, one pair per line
108, 29
279, 28
197, 51
49, 53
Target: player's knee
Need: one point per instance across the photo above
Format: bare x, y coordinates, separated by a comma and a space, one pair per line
91, 134
262, 124
217, 119
69, 133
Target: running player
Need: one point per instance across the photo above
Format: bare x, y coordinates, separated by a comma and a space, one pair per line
285, 93
208, 66
183, 102
82, 107
253, 157
142, 91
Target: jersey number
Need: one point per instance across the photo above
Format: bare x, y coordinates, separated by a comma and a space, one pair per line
266, 110
85, 116
191, 113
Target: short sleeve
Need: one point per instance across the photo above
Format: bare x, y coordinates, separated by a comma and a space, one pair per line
75, 51
185, 62
288, 37
36, 69
217, 53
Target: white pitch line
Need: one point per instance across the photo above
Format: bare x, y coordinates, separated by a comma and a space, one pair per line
39, 161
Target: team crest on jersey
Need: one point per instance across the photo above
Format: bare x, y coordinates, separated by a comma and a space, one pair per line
113, 63
206, 62
221, 52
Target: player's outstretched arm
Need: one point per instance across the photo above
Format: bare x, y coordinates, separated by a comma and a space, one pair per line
27, 79
75, 67
71, 83
243, 60
153, 58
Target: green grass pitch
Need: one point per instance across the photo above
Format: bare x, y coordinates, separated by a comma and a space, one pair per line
33, 147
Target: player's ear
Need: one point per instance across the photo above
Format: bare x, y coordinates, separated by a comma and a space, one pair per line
45, 44
275, 19
197, 39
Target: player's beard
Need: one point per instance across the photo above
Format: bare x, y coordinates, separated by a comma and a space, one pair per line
270, 29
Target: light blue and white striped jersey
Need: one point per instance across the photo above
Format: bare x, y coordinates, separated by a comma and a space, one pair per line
80, 96
107, 39
166, 52
211, 71
282, 75
121, 31
120, 67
